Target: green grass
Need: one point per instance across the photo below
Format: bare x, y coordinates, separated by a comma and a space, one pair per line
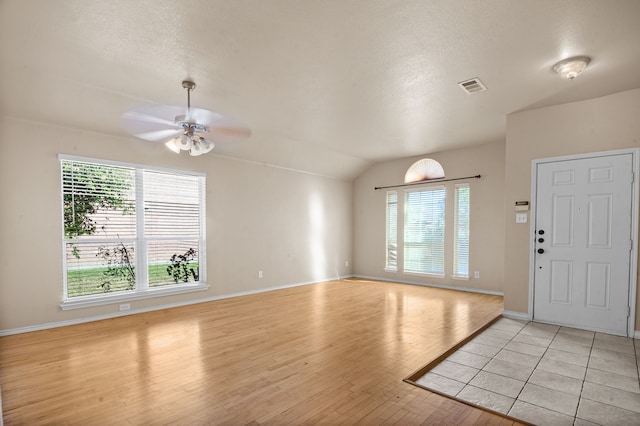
86, 282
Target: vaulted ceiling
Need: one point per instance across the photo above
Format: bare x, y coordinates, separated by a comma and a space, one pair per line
327, 86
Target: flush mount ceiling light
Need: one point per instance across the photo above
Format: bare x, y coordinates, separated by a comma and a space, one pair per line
182, 130
572, 67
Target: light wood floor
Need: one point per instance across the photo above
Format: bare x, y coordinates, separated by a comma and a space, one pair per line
332, 353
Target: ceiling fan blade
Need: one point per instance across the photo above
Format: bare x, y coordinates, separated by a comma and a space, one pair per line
159, 135
236, 132
145, 117
149, 119
219, 124
205, 117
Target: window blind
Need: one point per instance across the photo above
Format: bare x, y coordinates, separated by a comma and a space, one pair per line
424, 230
172, 225
391, 263
461, 231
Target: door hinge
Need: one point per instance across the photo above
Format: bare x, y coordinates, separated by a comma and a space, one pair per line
628, 311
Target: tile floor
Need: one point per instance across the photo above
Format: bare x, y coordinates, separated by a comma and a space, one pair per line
545, 374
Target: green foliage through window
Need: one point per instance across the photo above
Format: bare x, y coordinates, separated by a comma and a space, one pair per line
179, 268
120, 266
89, 188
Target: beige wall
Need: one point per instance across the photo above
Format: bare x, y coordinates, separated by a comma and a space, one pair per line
487, 216
295, 227
601, 124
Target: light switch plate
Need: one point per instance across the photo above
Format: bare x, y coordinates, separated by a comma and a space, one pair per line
521, 217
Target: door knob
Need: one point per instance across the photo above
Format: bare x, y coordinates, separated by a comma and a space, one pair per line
540, 251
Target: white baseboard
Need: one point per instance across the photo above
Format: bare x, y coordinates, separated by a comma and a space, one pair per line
516, 315
443, 286
74, 321
636, 334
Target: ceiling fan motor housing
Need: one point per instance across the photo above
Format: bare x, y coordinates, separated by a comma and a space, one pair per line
189, 85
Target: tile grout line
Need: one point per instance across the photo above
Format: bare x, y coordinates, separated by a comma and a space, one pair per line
536, 366
584, 378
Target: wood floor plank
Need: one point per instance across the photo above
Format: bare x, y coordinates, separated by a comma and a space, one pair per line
327, 353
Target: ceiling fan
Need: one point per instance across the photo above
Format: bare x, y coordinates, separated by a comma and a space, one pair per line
182, 130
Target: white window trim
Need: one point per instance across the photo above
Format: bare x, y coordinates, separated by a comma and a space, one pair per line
166, 290
460, 277
107, 299
424, 274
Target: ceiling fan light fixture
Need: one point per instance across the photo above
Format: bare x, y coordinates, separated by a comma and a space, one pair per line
200, 146
572, 67
196, 149
172, 144
184, 142
207, 145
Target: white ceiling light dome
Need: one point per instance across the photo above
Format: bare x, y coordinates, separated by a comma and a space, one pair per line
572, 67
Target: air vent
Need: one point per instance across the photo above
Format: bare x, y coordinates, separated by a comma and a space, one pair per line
472, 86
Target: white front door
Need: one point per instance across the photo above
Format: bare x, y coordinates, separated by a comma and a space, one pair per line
583, 242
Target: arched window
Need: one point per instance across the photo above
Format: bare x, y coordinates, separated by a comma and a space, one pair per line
425, 169
418, 247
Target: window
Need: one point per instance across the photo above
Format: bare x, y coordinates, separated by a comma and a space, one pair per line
130, 231
461, 232
392, 231
424, 230
423, 170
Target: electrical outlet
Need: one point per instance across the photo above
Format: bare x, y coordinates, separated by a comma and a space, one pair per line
259, 274
476, 274
125, 306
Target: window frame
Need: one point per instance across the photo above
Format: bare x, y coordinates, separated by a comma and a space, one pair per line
388, 266
141, 290
456, 230
406, 224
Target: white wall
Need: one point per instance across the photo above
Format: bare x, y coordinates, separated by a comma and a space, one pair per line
295, 227
600, 124
486, 220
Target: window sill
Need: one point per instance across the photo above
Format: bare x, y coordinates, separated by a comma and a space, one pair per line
90, 301
424, 274
460, 277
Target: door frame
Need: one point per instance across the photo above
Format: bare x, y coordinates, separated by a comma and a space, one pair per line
633, 264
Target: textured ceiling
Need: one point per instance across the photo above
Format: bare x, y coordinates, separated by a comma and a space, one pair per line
328, 86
